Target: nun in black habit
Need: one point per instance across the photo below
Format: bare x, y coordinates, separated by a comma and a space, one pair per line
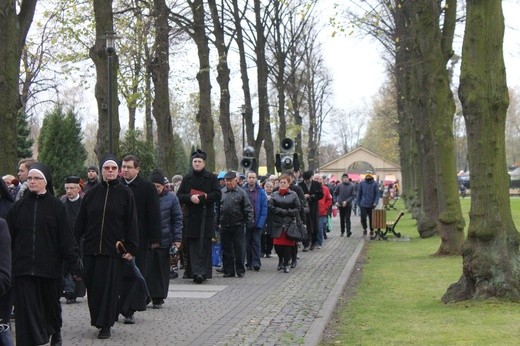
42, 239
107, 215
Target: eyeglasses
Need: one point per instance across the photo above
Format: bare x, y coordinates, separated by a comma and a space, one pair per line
34, 178
110, 168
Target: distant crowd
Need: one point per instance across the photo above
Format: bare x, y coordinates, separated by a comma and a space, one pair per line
119, 237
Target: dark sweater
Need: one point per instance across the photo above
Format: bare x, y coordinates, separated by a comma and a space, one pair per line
41, 236
107, 215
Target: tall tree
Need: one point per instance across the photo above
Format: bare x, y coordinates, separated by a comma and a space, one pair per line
60, 146
223, 79
160, 69
491, 258
196, 28
433, 107
104, 22
14, 26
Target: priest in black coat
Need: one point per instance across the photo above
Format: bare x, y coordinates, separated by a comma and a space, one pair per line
149, 226
198, 193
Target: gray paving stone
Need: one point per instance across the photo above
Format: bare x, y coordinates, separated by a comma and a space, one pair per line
267, 307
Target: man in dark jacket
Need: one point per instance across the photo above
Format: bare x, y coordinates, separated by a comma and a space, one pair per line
199, 191
235, 212
171, 235
258, 199
344, 195
42, 239
313, 193
92, 178
368, 197
107, 215
149, 226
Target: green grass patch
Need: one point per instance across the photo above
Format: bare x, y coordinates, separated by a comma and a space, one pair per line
398, 301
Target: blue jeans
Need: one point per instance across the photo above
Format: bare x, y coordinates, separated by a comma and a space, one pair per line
321, 229
253, 247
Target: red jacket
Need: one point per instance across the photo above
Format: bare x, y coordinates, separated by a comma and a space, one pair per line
325, 203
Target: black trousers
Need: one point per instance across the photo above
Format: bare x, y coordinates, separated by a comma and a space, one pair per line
344, 217
233, 242
366, 211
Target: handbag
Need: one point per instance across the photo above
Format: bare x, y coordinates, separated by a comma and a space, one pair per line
296, 229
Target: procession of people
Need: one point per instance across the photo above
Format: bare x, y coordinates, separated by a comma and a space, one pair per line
112, 237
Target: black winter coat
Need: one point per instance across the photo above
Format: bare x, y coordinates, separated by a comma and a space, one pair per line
148, 211
206, 182
282, 210
41, 237
107, 214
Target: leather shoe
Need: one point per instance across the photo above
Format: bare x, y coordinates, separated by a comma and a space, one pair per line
198, 279
56, 339
305, 249
285, 269
104, 333
312, 247
256, 268
129, 320
349, 234
294, 264
240, 275
229, 275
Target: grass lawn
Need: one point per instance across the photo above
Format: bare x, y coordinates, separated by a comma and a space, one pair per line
398, 300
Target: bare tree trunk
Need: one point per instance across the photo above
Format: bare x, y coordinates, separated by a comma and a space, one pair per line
223, 81
103, 17
204, 115
491, 259
248, 114
148, 122
160, 69
264, 122
13, 32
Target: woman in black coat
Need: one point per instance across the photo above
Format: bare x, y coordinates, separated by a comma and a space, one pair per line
284, 205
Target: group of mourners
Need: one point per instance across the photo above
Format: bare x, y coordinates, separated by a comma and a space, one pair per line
112, 235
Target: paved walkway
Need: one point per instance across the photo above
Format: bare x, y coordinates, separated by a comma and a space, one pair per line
263, 308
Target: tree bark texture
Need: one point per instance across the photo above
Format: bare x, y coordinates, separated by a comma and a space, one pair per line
204, 115
491, 259
13, 32
104, 22
223, 79
160, 70
264, 121
248, 114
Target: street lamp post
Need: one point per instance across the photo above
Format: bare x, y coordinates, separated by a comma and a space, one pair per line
244, 108
110, 48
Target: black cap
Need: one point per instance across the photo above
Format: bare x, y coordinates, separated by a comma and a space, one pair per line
230, 175
93, 168
72, 180
198, 154
307, 175
109, 157
157, 177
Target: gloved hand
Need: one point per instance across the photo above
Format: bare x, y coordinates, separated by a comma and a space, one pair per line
76, 270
